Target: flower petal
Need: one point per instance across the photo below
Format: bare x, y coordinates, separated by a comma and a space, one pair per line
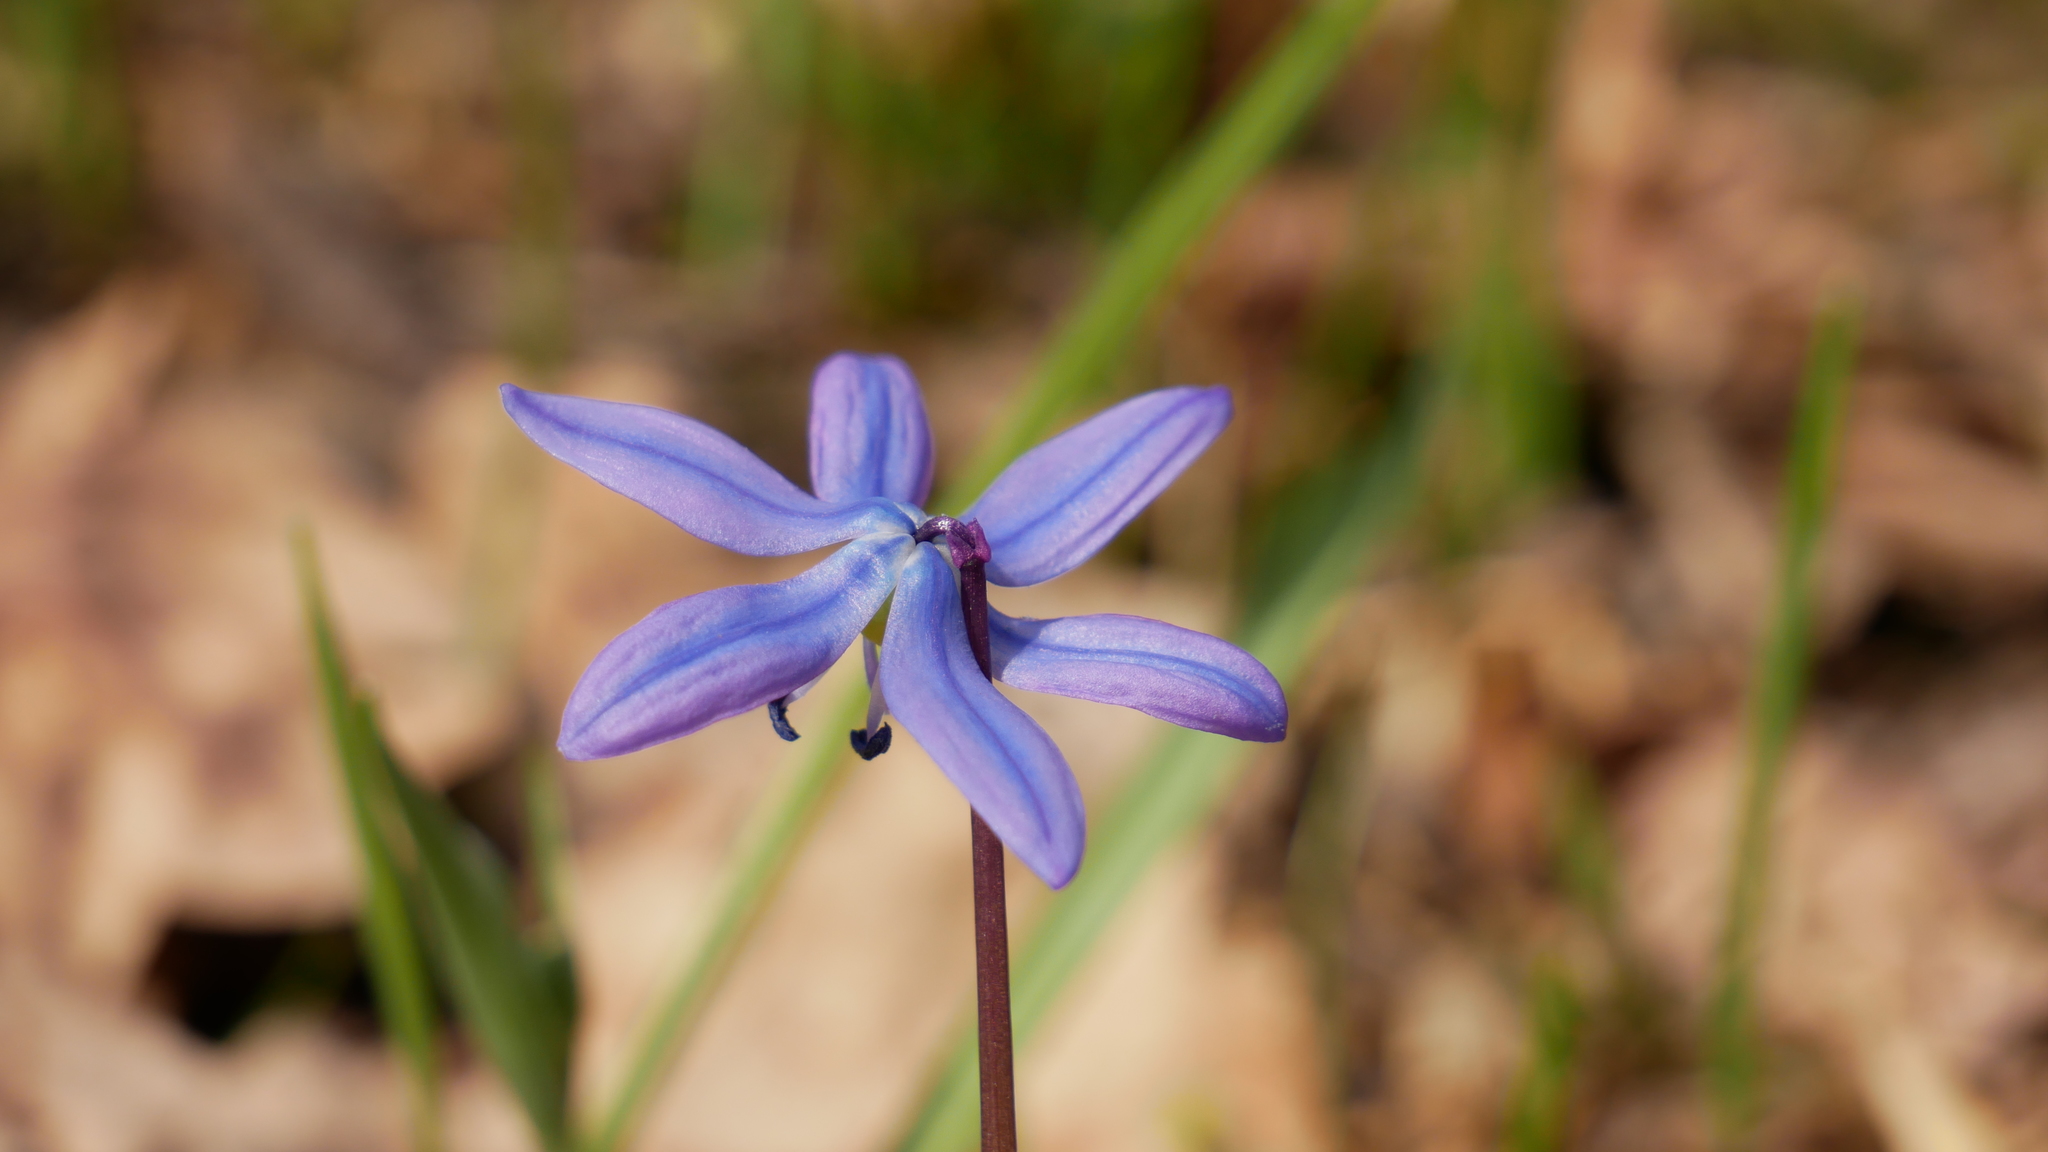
727, 651
1059, 503
998, 757
1189, 678
696, 476
869, 436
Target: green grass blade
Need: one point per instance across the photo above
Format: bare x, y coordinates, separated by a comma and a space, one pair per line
767, 850
1188, 775
65, 63
1777, 691
1586, 858
743, 168
1153, 53
396, 961
539, 281
517, 999
1539, 1107
1187, 202
547, 840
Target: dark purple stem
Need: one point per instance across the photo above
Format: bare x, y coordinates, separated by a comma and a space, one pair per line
991, 910
992, 987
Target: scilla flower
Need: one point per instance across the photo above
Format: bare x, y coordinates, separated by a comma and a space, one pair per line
728, 651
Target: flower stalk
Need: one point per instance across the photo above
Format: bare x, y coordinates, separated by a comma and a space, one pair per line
992, 993
991, 903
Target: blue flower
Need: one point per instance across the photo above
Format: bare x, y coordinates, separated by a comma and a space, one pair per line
731, 650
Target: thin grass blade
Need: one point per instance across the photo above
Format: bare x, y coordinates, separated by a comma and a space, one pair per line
395, 957
767, 850
547, 842
1734, 1053
516, 998
1189, 773
1539, 1106
1263, 115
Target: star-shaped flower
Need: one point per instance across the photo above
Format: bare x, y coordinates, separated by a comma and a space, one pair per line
731, 650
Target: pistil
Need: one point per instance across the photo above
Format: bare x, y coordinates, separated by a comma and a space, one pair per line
971, 555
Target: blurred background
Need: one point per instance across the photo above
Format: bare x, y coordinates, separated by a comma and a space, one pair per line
267, 260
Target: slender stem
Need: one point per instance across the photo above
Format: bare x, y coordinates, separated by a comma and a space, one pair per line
1734, 1055
992, 987
991, 908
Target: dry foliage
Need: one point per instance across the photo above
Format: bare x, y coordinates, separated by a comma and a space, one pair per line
1345, 961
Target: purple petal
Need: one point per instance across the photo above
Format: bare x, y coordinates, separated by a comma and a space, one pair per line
1189, 678
1059, 503
697, 477
727, 651
869, 436
998, 757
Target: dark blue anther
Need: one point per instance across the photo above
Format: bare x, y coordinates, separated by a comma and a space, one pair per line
868, 747
778, 715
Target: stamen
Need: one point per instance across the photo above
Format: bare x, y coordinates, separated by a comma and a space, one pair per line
868, 747
778, 715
